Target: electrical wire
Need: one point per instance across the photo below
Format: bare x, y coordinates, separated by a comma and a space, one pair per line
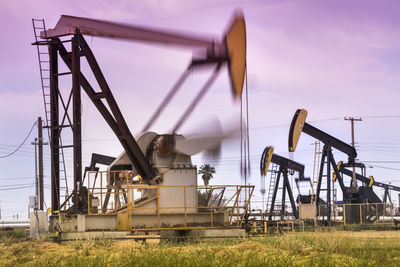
15, 188
382, 143
14, 185
5, 156
382, 167
380, 161
381, 116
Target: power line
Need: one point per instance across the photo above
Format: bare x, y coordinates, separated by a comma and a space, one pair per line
380, 161
13, 185
379, 143
5, 156
325, 120
382, 116
30, 153
22, 178
382, 167
15, 188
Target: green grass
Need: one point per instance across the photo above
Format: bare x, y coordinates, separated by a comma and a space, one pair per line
366, 248
12, 236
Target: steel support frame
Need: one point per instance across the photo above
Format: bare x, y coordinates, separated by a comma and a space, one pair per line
112, 116
290, 193
274, 195
286, 186
54, 127
326, 149
283, 204
387, 196
76, 127
328, 159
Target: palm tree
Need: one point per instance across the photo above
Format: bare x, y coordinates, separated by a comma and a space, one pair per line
206, 172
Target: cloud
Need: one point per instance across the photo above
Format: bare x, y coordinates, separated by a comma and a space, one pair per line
321, 56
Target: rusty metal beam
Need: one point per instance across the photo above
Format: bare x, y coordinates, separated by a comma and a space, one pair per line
114, 118
67, 25
76, 128
54, 130
128, 142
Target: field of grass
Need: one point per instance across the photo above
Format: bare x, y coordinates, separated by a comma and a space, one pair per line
337, 248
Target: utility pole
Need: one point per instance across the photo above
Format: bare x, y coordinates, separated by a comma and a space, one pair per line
38, 143
35, 206
352, 120
38, 199
35, 143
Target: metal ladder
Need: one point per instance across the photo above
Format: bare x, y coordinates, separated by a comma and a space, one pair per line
317, 157
272, 181
44, 67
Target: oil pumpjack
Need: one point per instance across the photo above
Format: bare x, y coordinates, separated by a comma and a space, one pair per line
158, 167
285, 165
351, 194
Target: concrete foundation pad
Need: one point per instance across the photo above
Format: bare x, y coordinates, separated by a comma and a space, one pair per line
112, 222
218, 233
204, 233
169, 234
94, 235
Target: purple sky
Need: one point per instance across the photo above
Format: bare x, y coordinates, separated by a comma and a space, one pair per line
334, 58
